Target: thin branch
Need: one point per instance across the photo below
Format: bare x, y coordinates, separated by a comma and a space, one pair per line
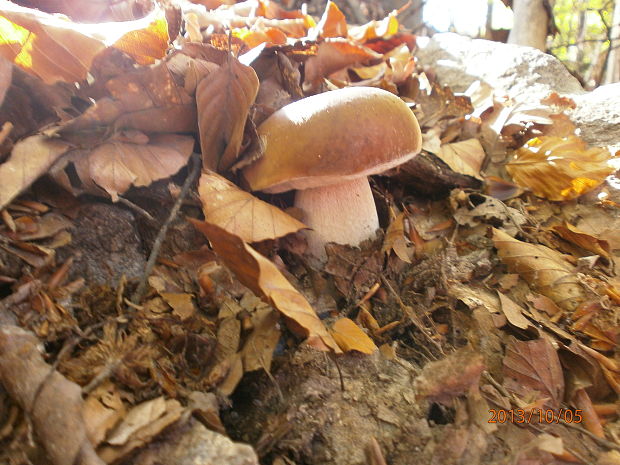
161, 236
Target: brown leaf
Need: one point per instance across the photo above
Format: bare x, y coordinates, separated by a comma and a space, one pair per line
350, 337
535, 366
387, 27
257, 352
542, 268
559, 168
56, 49
30, 158
334, 55
223, 99
6, 74
265, 280
396, 240
465, 157
116, 166
146, 99
242, 214
584, 240
514, 315
554, 99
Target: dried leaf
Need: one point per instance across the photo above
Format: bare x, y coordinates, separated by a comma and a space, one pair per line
396, 240
535, 366
181, 303
541, 267
257, 352
242, 214
139, 416
116, 166
350, 337
54, 48
385, 28
584, 240
332, 24
334, 55
514, 315
30, 158
465, 157
559, 168
265, 280
224, 98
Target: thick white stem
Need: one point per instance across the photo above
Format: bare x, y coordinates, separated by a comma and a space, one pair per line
343, 213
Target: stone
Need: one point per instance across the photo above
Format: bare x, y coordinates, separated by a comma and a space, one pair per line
526, 75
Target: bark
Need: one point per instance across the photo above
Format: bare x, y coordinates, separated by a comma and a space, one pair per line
531, 24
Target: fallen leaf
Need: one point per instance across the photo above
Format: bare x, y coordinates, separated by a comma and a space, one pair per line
395, 240
554, 99
223, 99
30, 158
334, 55
116, 166
534, 366
332, 24
263, 278
242, 214
257, 352
139, 416
514, 315
542, 268
584, 240
465, 157
350, 337
54, 48
181, 303
385, 28
559, 168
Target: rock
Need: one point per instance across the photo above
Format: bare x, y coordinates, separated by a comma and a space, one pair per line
526, 75
193, 444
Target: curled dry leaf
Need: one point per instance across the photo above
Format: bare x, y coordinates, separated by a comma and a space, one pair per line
535, 366
332, 24
559, 168
265, 280
396, 240
56, 49
30, 158
350, 337
542, 268
223, 99
116, 166
584, 240
242, 214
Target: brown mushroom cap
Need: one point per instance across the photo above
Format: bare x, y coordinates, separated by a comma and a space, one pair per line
333, 137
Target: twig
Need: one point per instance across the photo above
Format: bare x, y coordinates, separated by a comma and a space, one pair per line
191, 177
139, 210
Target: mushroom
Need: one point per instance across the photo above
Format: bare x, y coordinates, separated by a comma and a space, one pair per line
326, 146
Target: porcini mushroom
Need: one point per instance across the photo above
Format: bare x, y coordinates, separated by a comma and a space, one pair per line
326, 146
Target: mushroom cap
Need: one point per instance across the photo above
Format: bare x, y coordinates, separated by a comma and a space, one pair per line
333, 137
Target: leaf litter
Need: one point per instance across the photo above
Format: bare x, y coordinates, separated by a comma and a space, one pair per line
492, 288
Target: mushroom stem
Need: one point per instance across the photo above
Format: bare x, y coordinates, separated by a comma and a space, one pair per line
344, 213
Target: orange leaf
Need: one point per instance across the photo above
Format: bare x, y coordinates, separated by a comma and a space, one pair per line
242, 214
56, 49
332, 24
383, 29
262, 277
584, 240
396, 240
30, 158
350, 337
224, 98
559, 168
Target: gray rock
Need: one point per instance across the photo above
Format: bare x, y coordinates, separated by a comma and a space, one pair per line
526, 75
193, 444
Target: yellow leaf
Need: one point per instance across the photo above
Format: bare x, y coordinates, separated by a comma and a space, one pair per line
559, 168
584, 240
350, 337
242, 214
